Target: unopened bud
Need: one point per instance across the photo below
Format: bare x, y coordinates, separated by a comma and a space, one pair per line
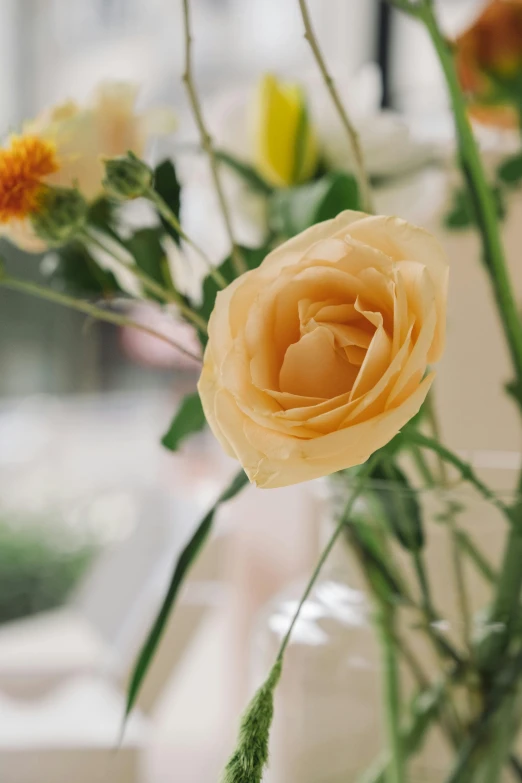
127, 177
60, 216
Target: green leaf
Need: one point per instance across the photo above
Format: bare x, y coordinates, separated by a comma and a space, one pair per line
294, 209
166, 183
401, 507
102, 214
362, 537
462, 213
245, 171
252, 258
78, 274
183, 564
146, 248
189, 419
510, 170
76, 270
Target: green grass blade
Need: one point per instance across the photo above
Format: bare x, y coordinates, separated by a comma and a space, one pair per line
183, 564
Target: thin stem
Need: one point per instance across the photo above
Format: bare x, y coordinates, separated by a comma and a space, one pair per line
464, 468
422, 466
468, 546
357, 488
500, 745
458, 571
435, 429
206, 141
95, 312
422, 578
353, 136
392, 695
168, 297
170, 217
460, 585
148, 283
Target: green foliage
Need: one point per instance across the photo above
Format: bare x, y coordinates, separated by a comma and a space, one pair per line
188, 420
166, 183
510, 170
77, 273
252, 258
248, 761
247, 172
294, 209
103, 214
400, 505
462, 213
147, 250
363, 537
38, 569
181, 569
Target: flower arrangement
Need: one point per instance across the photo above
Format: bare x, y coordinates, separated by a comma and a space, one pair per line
316, 351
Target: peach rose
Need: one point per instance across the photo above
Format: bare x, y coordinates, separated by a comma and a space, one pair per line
317, 358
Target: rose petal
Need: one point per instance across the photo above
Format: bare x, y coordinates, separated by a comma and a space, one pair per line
314, 367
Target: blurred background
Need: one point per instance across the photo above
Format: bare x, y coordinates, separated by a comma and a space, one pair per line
92, 510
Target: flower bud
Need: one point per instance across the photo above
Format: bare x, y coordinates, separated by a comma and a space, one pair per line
126, 177
61, 213
285, 147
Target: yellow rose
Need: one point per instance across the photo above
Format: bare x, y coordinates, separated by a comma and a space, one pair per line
80, 138
317, 358
284, 142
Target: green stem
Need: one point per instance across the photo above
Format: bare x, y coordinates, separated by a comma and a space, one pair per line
480, 192
435, 431
392, 697
467, 546
148, 283
427, 603
168, 215
458, 571
499, 746
238, 261
474, 744
506, 607
349, 127
94, 312
460, 585
167, 297
422, 466
357, 488
464, 468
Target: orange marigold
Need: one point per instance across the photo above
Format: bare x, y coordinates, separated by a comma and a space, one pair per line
490, 51
23, 168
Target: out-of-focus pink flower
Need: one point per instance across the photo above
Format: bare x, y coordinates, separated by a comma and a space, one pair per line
146, 349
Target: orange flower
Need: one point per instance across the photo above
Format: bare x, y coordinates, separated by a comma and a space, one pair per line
24, 164
64, 147
489, 56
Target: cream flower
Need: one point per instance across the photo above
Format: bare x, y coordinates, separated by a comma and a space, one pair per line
317, 358
81, 137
